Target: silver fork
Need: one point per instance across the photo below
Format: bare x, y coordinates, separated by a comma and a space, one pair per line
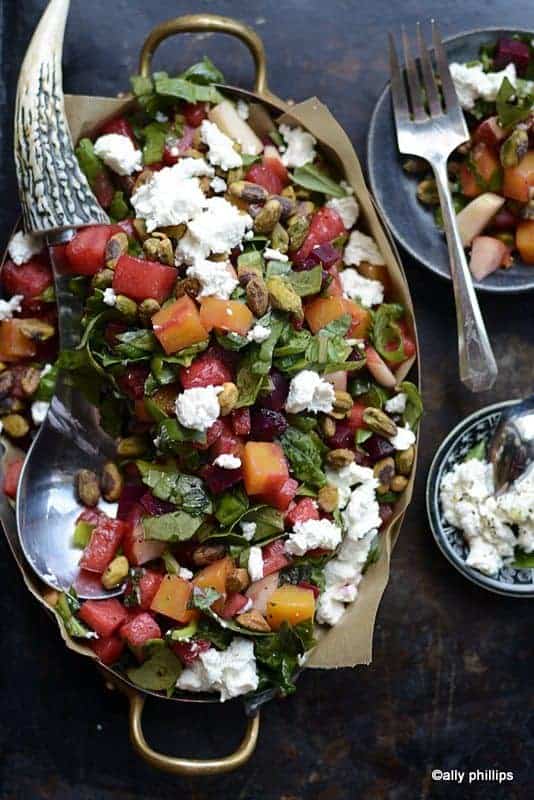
432, 129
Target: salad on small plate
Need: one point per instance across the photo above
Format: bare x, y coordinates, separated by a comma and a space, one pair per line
241, 340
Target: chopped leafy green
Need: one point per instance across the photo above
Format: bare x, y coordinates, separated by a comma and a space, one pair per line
48, 295
159, 672
477, 452
386, 331
203, 72
136, 344
523, 560
141, 85
212, 632
172, 567
312, 178
373, 555
179, 634
176, 526
310, 570
154, 136
203, 599
269, 522
277, 655
47, 384
414, 405
184, 89
171, 436
89, 162
230, 506
512, 107
304, 452
166, 483
67, 606
119, 208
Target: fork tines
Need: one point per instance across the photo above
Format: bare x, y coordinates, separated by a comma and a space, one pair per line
419, 98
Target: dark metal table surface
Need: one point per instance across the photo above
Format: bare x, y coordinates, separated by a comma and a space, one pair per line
451, 683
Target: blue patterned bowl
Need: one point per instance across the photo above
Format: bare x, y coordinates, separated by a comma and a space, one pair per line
510, 581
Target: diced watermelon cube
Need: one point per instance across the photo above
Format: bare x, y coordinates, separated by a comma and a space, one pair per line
11, 477
121, 126
136, 549
234, 603
302, 511
108, 649
274, 557
188, 652
30, 279
103, 544
206, 370
103, 616
281, 497
141, 279
140, 629
149, 584
85, 252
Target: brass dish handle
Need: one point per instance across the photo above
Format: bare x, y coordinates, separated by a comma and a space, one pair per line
188, 766
208, 23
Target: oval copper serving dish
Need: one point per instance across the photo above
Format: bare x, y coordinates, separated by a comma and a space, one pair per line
87, 113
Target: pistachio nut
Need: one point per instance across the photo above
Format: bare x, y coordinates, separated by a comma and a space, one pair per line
228, 398
404, 460
427, 192
111, 482
189, 286
339, 457
87, 487
147, 309
131, 446
116, 246
103, 279
284, 297
253, 621
237, 581
328, 498
267, 218
208, 553
514, 148
297, 229
245, 190
415, 166
7, 381
36, 329
378, 421
384, 472
257, 295
399, 483
280, 238
15, 425
116, 572
158, 247
29, 380
328, 427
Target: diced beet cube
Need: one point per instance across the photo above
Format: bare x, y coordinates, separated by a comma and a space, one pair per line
103, 544
386, 512
11, 477
132, 382
240, 420
276, 397
140, 629
103, 616
512, 51
188, 652
154, 507
266, 425
302, 511
377, 448
343, 438
130, 496
327, 254
108, 649
219, 479
234, 603
212, 434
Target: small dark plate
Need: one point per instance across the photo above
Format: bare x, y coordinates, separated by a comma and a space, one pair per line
395, 191
510, 581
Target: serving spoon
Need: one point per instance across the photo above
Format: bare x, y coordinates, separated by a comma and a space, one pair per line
56, 199
511, 449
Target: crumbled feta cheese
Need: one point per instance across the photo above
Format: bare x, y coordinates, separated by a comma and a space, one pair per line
468, 503
346, 477
110, 298
300, 146
10, 307
118, 153
218, 228
362, 513
185, 574
403, 439
347, 188
161, 117
46, 369
231, 672
255, 564
274, 255
39, 411
362, 248
471, 82
217, 279
218, 185
357, 287
198, 408
329, 611
227, 461
248, 530
259, 333
309, 392
347, 208
24, 246
312, 534
221, 151
396, 404
172, 195
242, 109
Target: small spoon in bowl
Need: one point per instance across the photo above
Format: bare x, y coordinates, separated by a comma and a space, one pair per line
511, 450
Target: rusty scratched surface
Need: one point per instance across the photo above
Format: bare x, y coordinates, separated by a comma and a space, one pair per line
451, 682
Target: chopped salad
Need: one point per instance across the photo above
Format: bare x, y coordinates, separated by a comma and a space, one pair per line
241, 340
492, 175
